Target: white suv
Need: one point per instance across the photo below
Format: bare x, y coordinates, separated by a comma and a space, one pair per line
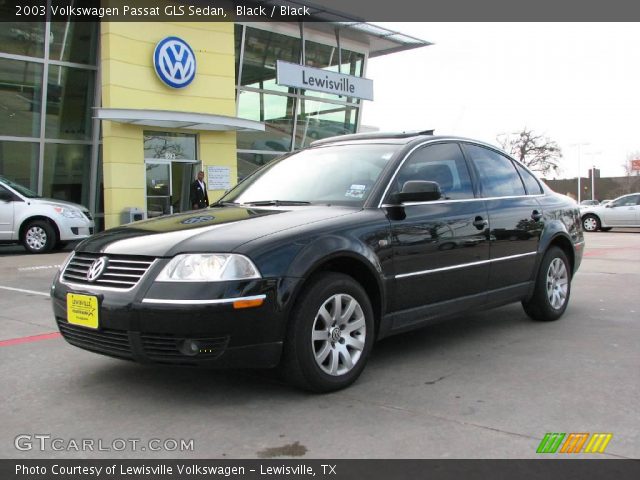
40, 224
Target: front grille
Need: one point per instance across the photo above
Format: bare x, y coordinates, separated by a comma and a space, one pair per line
108, 342
122, 271
170, 349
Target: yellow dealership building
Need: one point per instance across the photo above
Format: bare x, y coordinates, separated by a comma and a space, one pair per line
120, 116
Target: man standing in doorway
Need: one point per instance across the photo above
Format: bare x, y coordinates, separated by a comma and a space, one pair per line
199, 197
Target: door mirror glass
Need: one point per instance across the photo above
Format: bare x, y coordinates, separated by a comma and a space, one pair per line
418, 191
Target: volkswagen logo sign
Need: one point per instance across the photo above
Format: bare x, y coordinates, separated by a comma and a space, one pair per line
96, 268
199, 219
174, 62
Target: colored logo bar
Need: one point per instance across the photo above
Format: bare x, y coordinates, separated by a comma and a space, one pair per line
574, 443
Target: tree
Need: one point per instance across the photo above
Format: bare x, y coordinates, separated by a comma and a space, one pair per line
538, 152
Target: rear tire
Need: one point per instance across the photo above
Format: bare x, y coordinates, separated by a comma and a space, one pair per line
39, 237
330, 334
590, 223
552, 289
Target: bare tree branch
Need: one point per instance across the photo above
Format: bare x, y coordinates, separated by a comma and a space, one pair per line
539, 153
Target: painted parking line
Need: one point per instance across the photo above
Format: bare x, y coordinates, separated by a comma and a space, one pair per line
38, 267
29, 339
22, 290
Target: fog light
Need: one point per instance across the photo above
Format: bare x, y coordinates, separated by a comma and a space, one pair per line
190, 347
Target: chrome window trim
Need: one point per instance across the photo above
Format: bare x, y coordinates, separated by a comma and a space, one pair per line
219, 301
464, 265
444, 140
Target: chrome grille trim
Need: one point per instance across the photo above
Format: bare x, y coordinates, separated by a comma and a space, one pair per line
122, 273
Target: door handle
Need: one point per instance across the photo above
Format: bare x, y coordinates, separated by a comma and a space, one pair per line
536, 215
480, 222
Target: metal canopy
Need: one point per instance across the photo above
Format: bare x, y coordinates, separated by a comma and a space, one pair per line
170, 119
381, 41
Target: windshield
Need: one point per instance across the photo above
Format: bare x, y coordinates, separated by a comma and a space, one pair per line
337, 175
24, 191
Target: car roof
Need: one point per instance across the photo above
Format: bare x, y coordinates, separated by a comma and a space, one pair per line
400, 138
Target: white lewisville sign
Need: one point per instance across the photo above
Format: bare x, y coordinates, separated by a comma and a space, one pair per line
299, 76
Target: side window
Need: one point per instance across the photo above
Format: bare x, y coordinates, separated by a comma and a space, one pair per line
442, 163
628, 201
530, 182
498, 176
5, 195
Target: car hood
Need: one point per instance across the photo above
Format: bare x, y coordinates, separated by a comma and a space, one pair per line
216, 229
55, 203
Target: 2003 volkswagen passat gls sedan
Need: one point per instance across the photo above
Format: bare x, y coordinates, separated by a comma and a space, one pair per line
311, 259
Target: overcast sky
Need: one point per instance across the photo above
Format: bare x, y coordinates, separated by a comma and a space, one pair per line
574, 82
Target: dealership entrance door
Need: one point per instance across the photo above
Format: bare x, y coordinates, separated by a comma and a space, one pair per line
171, 165
168, 186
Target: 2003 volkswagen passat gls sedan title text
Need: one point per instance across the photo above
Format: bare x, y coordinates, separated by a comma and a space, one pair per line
320, 253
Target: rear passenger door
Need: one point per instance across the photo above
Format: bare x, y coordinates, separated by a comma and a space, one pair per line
440, 247
515, 218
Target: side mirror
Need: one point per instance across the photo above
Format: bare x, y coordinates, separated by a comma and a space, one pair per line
418, 191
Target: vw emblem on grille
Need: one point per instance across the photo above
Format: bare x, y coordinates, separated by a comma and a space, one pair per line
96, 268
174, 62
199, 219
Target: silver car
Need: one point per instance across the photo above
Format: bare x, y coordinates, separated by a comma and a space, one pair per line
40, 224
622, 212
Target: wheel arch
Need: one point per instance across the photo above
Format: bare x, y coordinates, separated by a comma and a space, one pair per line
353, 265
35, 218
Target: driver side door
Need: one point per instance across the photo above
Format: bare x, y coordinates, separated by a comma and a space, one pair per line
623, 211
440, 247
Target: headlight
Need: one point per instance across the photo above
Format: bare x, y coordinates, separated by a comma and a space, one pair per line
68, 212
208, 267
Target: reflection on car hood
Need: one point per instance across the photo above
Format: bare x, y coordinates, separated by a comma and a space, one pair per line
216, 229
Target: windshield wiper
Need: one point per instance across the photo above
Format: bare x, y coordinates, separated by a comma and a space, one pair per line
276, 203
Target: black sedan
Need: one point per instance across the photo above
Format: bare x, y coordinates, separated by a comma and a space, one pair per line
315, 256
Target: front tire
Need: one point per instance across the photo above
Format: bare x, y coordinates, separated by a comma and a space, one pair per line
590, 223
330, 334
552, 289
39, 237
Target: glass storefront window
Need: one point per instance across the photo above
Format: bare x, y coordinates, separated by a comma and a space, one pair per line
261, 50
276, 111
67, 172
19, 162
318, 120
23, 38
250, 162
75, 42
20, 97
327, 57
70, 94
169, 145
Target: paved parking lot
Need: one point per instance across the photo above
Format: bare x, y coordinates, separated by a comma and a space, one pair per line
487, 385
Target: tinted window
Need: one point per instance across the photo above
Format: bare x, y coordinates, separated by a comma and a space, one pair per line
530, 182
627, 201
442, 163
498, 176
5, 194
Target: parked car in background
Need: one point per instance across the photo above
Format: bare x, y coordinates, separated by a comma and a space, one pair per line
314, 257
40, 224
624, 211
589, 203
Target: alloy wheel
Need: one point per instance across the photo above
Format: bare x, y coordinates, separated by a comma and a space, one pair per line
36, 238
557, 283
338, 334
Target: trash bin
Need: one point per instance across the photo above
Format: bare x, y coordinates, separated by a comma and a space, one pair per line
132, 214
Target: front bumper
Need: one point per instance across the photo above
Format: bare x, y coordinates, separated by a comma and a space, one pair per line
72, 229
202, 334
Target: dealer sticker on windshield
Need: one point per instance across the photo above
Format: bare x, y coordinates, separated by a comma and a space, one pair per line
356, 191
82, 310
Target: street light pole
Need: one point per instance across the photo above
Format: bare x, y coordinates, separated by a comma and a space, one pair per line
579, 177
